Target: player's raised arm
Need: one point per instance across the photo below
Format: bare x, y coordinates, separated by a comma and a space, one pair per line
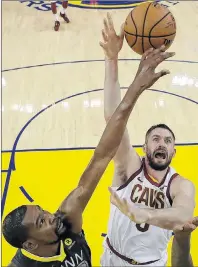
76, 202
126, 159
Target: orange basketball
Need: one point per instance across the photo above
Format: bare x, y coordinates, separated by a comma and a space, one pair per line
149, 25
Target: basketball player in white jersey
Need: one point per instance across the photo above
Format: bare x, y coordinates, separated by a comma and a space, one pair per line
160, 199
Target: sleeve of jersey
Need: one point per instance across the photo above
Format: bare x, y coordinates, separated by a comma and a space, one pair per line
82, 233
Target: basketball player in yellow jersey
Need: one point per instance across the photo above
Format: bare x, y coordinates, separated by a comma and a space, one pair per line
160, 200
62, 13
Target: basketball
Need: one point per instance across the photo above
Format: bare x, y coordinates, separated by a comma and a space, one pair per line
149, 25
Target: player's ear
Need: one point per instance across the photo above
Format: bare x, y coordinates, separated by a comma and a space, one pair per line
30, 245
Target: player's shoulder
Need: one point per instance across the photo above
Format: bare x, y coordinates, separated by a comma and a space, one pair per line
18, 260
182, 182
11, 265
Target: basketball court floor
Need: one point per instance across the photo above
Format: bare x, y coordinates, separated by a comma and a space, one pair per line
52, 107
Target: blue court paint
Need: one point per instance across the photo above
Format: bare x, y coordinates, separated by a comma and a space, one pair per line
89, 61
26, 194
7, 182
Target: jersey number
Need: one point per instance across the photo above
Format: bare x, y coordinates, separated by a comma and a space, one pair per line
143, 227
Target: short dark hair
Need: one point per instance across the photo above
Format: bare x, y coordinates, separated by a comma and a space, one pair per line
14, 232
161, 125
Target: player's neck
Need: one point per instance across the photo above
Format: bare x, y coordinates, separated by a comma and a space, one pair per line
47, 251
158, 175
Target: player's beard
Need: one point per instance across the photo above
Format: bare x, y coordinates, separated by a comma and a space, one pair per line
63, 232
156, 166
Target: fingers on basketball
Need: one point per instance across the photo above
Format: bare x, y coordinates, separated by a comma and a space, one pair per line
159, 50
155, 52
147, 53
156, 57
158, 53
161, 56
152, 53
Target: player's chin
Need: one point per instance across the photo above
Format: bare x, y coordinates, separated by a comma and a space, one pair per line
160, 164
54, 241
61, 232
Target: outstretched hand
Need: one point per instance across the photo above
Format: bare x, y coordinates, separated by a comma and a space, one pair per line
146, 75
112, 42
188, 227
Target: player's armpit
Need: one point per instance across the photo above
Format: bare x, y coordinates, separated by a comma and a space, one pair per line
126, 161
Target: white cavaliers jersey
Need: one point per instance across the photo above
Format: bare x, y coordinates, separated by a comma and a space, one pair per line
141, 242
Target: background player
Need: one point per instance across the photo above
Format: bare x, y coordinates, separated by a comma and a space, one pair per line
149, 183
58, 238
62, 13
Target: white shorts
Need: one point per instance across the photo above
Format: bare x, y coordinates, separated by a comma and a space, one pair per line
110, 259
